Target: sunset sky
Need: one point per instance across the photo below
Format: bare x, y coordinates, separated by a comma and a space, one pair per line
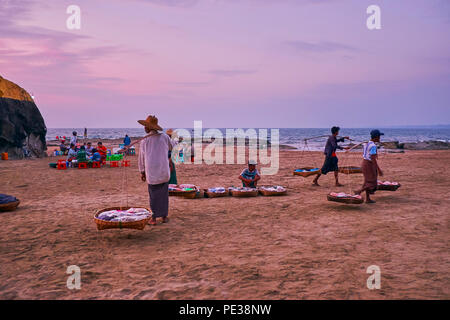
230, 63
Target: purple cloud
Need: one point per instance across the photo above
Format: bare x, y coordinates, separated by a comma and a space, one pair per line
320, 47
231, 73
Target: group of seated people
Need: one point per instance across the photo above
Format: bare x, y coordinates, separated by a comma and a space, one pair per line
86, 153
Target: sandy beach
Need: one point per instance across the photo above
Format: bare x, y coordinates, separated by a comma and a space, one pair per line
299, 246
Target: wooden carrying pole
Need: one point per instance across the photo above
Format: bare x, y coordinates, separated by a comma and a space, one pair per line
356, 145
317, 137
133, 143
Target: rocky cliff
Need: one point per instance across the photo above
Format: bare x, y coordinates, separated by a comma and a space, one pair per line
22, 127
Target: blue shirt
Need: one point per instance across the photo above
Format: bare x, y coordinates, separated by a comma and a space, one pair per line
127, 141
369, 150
247, 174
96, 156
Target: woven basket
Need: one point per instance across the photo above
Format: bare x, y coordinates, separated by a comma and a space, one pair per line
186, 194
216, 194
102, 224
9, 206
388, 187
306, 173
267, 193
175, 193
244, 194
189, 194
350, 170
349, 200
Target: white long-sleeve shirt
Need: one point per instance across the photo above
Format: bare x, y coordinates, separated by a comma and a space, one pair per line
154, 158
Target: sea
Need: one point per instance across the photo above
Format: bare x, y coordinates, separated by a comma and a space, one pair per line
293, 137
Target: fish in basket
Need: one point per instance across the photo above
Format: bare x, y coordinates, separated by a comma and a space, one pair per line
243, 192
350, 170
343, 197
272, 190
306, 171
122, 218
388, 185
216, 192
188, 191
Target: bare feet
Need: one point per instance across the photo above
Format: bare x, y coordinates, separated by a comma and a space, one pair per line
370, 201
315, 184
339, 185
152, 222
165, 219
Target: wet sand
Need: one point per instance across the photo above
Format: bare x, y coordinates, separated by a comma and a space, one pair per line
295, 247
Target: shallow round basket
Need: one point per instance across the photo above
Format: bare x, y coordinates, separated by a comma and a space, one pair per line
307, 173
216, 194
272, 193
388, 187
244, 194
102, 224
175, 193
350, 170
347, 200
10, 206
189, 194
185, 194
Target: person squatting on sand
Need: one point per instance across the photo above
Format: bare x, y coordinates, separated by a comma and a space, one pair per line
154, 167
331, 160
370, 167
250, 176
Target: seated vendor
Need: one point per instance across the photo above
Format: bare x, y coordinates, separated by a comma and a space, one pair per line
250, 175
72, 155
81, 155
96, 157
89, 149
102, 150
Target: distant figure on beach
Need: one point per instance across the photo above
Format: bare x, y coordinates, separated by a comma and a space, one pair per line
173, 171
154, 167
102, 150
126, 140
74, 138
370, 167
89, 149
331, 160
85, 133
250, 176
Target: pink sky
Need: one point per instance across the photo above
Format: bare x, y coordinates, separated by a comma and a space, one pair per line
230, 63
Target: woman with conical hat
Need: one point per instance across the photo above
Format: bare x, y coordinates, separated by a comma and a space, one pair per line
153, 165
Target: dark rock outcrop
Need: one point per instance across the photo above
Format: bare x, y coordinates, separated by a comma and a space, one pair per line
22, 127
